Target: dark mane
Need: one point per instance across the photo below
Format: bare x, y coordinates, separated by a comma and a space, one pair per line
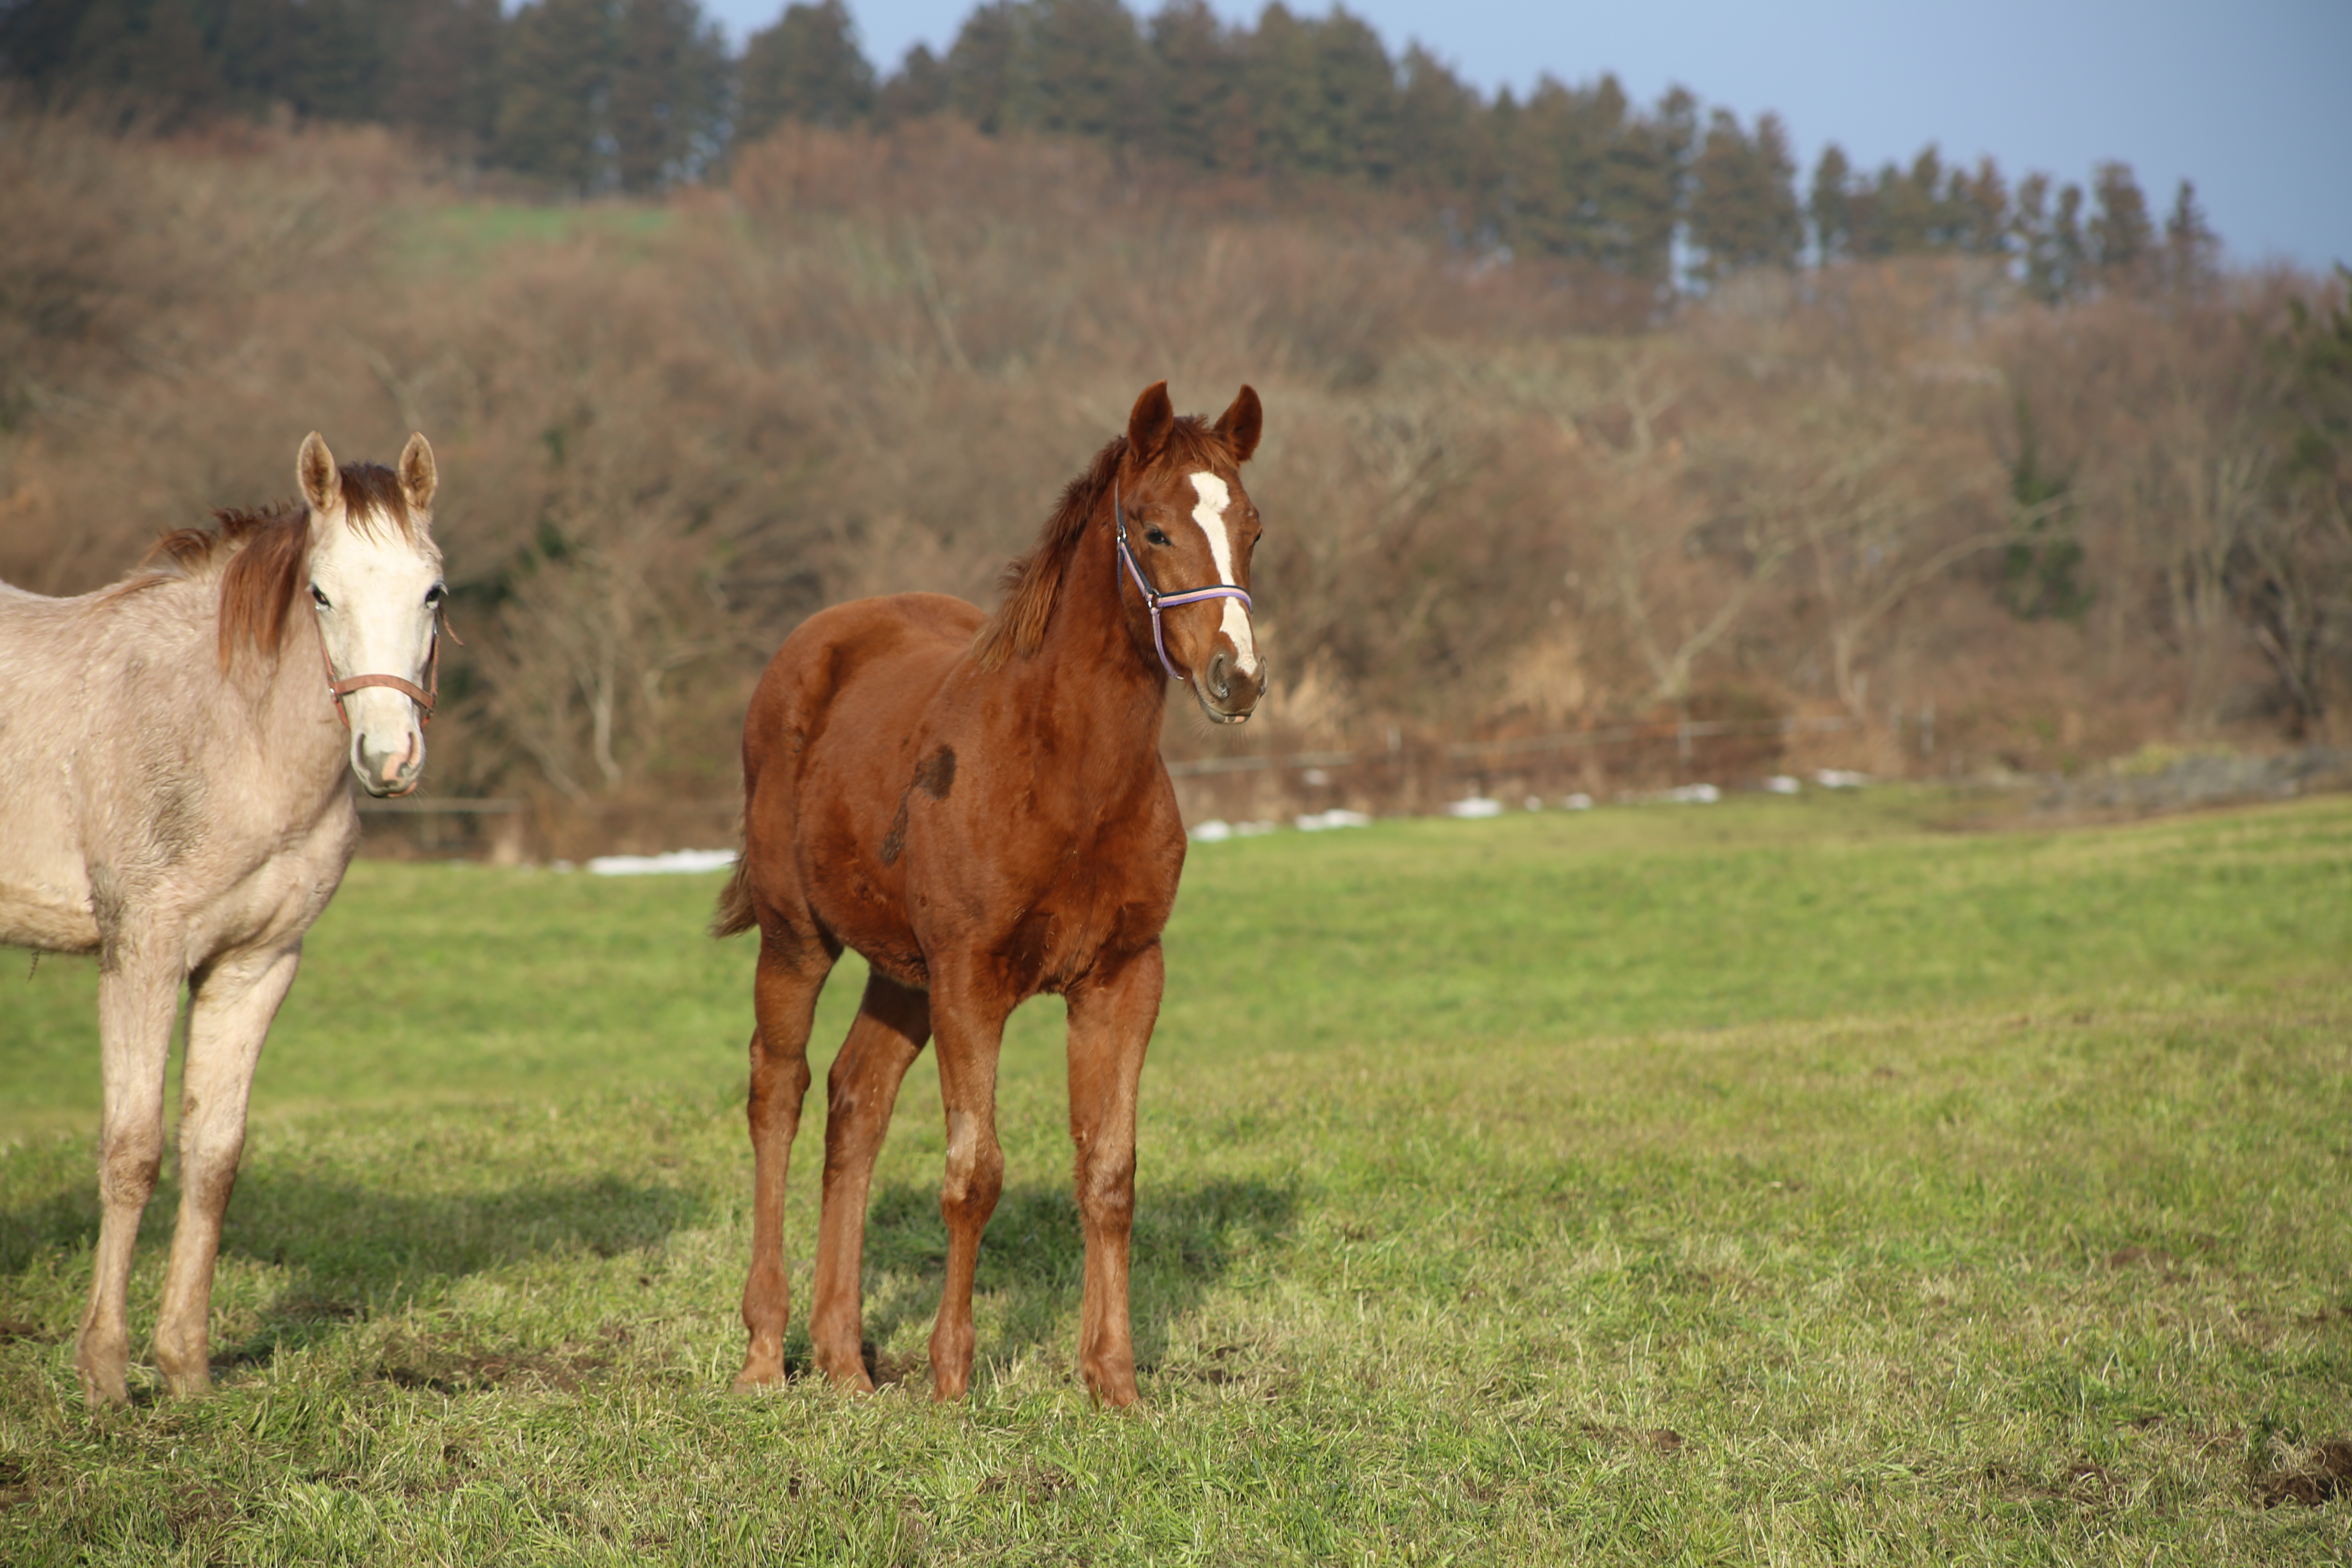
1033, 581
263, 554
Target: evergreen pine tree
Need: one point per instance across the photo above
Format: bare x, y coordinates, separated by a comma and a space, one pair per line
1977, 217
1442, 147
1202, 113
2052, 238
1645, 176
337, 57
2192, 252
444, 83
668, 88
143, 62
1831, 206
2122, 239
1743, 204
557, 70
805, 66
981, 64
918, 88
1082, 69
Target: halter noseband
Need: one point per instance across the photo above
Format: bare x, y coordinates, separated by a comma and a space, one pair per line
423, 696
1155, 601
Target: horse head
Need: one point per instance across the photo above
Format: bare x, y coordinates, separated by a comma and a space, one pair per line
376, 584
1188, 529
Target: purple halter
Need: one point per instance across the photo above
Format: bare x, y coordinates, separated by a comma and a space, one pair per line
1155, 601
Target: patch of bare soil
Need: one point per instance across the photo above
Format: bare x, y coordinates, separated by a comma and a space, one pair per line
2324, 1473
1036, 1483
15, 1329
2153, 1258
1658, 1440
16, 1482
446, 1370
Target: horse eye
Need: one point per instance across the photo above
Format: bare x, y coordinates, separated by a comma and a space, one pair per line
1157, 537
320, 597
433, 596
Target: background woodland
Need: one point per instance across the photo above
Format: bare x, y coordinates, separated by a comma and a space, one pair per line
1580, 413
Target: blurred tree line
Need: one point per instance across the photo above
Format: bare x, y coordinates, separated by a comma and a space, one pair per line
633, 95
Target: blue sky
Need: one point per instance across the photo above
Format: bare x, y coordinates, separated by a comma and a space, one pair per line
2252, 100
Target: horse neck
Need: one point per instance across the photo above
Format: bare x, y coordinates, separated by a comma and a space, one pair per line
1087, 671
278, 698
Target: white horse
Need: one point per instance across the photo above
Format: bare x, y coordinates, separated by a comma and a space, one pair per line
173, 799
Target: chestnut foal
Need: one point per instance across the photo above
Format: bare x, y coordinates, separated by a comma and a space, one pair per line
977, 806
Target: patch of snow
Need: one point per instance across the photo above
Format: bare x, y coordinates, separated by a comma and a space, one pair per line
1840, 778
673, 863
1693, 794
1216, 830
1315, 822
1781, 784
1476, 805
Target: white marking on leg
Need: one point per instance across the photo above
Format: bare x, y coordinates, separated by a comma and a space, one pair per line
1210, 515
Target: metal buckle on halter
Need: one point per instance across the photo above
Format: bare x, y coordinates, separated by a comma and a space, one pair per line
1153, 600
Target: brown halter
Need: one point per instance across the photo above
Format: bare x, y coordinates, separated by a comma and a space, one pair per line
424, 695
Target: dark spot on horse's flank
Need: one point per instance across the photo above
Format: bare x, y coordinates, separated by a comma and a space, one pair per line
936, 775
179, 824
109, 908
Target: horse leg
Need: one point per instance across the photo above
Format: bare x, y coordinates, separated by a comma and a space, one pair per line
1110, 1026
971, 1033
893, 1022
138, 998
229, 1013
783, 999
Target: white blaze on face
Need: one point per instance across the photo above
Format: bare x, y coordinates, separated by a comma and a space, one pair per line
1210, 515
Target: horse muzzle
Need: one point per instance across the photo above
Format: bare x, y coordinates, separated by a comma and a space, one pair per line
1226, 693
388, 774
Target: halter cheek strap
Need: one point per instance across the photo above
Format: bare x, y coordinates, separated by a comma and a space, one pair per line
1155, 601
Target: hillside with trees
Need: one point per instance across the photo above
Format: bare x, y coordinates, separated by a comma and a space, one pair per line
588, 97
1582, 415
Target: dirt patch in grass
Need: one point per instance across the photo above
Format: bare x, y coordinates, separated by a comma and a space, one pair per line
1037, 1483
889, 1370
447, 1370
199, 1514
15, 1329
1657, 1440
16, 1482
2324, 1474
2153, 1258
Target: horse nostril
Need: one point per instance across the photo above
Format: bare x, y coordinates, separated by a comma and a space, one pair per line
1218, 683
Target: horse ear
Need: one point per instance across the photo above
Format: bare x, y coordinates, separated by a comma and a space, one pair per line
315, 471
1147, 426
418, 477
1241, 424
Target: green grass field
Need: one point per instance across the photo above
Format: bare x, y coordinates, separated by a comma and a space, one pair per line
1784, 1181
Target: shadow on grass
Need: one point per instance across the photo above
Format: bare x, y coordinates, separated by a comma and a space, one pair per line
345, 1245
1033, 1258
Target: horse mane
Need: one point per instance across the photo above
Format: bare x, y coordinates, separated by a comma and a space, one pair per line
1032, 582
263, 553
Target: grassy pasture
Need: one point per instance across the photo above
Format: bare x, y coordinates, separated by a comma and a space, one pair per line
1784, 1181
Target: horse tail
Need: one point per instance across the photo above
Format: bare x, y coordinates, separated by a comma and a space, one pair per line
735, 915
